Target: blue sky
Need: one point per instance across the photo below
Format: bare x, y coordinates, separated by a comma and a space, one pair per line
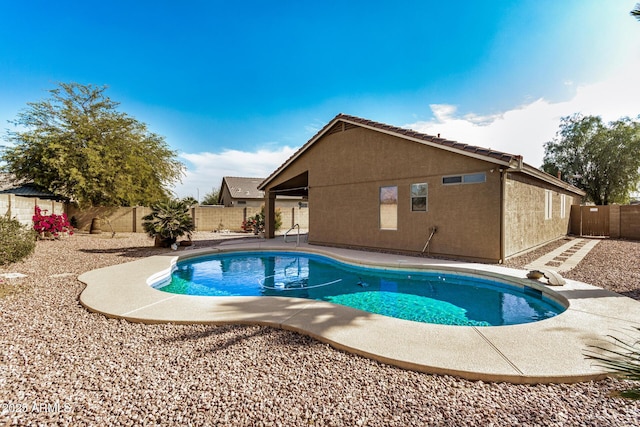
236, 87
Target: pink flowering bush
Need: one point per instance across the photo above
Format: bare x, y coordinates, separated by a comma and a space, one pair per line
256, 223
53, 225
253, 224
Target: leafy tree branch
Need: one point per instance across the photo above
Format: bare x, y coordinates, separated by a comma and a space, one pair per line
78, 145
601, 159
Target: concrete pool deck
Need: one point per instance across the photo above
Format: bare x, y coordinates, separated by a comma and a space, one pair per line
552, 350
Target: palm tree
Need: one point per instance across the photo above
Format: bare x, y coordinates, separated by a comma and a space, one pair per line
169, 220
636, 12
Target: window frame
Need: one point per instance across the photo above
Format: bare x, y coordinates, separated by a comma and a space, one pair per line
462, 179
548, 204
412, 197
381, 204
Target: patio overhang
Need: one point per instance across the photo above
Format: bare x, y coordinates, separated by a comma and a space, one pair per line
296, 186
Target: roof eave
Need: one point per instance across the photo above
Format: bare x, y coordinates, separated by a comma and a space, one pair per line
537, 173
298, 153
513, 161
509, 163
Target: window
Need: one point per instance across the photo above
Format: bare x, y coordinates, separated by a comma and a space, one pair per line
471, 178
452, 179
563, 208
419, 197
474, 178
389, 208
548, 204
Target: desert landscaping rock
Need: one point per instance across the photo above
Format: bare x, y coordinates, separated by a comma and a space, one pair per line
62, 365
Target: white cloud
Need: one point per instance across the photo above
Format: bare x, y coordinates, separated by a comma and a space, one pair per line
525, 129
206, 170
522, 130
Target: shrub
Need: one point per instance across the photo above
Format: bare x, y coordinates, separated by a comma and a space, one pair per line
16, 241
53, 225
623, 361
169, 220
256, 223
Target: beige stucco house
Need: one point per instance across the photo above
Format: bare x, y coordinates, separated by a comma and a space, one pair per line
375, 186
240, 192
243, 192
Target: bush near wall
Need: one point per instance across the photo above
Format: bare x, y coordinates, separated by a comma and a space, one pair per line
17, 241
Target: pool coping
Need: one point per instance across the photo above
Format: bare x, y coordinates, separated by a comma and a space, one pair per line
549, 351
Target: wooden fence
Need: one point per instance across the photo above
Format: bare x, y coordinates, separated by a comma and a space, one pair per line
616, 221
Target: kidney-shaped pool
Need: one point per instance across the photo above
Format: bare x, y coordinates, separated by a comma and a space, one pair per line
448, 298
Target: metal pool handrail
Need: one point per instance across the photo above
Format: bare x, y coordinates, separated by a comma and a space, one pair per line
298, 237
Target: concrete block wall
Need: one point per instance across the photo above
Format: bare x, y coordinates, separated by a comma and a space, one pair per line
629, 222
210, 218
23, 208
206, 218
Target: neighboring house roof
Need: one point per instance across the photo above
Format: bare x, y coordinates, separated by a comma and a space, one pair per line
243, 188
510, 161
9, 185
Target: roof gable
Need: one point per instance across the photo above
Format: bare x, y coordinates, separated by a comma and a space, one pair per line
344, 122
431, 140
243, 188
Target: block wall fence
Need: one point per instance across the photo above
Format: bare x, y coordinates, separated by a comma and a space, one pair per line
23, 208
206, 218
623, 221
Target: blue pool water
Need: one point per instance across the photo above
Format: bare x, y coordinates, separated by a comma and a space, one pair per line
431, 297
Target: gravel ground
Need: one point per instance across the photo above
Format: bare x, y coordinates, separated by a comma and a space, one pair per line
62, 365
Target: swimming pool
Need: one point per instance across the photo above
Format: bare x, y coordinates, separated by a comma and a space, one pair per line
423, 296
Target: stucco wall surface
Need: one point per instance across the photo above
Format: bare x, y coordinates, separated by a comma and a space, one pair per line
346, 170
525, 223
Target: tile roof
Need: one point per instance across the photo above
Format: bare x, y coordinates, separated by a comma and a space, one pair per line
511, 161
24, 188
403, 133
243, 188
412, 134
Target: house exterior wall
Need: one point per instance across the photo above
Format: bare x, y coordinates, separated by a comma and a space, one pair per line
239, 202
346, 170
525, 222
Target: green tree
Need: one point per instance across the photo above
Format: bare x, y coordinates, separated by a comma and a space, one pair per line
76, 144
601, 159
211, 198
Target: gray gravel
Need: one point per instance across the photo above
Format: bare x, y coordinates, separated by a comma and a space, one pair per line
61, 365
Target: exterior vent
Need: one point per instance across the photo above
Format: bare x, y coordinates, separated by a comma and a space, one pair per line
335, 128
341, 127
